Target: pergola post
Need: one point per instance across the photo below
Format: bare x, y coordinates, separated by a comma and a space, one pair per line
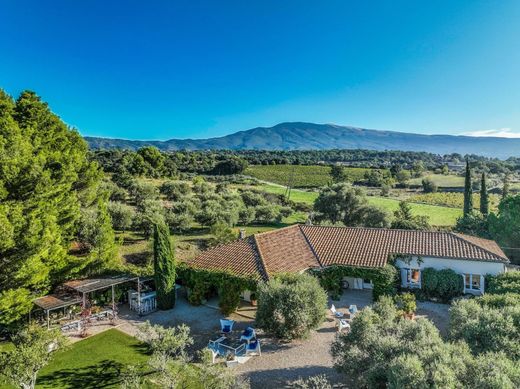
138, 296
113, 302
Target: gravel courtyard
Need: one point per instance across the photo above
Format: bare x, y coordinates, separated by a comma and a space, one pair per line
280, 363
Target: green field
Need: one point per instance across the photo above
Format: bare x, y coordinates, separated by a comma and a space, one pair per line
442, 181
452, 199
302, 176
439, 216
95, 362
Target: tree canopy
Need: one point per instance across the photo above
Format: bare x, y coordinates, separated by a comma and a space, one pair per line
45, 179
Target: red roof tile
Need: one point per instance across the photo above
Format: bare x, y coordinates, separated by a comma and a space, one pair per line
285, 251
297, 248
239, 257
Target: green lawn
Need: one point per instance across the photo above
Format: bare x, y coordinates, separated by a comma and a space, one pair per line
442, 181
439, 216
95, 362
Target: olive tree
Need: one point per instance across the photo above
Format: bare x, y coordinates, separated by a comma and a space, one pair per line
34, 348
291, 306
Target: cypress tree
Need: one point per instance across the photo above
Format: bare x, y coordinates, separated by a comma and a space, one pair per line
484, 198
164, 267
505, 188
468, 193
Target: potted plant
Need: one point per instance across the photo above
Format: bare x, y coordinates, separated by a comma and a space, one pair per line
252, 299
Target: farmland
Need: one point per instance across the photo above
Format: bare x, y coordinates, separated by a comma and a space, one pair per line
442, 181
439, 215
301, 176
451, 199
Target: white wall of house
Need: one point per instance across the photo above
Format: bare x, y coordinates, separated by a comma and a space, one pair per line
473, 272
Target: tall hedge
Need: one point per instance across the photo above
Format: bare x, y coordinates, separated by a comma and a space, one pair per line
164, 267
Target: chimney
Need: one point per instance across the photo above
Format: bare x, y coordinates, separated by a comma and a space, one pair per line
242, 233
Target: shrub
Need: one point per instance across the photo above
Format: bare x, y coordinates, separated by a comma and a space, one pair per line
504, 283
429, 186
229, 296
382, 350
406, 302
290, 307
314, 382
441, 284
484, 328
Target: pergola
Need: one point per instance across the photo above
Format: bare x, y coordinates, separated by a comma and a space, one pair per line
52, 302
82, 288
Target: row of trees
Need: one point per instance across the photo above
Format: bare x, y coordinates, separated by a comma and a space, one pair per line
502, 225
145, 162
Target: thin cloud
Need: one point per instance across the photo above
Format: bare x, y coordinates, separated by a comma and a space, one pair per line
500, 133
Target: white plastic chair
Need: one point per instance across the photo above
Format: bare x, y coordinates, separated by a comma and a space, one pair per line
342, 325
253, 347
353, 310
248, 334
226, 326
334, 312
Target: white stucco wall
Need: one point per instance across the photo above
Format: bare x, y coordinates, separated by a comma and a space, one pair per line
460, 266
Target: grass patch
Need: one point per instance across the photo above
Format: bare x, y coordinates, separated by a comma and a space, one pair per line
439, 215
96, 362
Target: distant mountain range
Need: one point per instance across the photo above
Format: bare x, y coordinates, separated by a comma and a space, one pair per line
311, 136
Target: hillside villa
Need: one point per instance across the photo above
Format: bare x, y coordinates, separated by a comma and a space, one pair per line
297, 248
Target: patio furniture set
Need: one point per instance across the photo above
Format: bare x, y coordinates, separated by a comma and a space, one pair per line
341, 321
235, 350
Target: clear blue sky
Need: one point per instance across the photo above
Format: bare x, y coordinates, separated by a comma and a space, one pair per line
165, 69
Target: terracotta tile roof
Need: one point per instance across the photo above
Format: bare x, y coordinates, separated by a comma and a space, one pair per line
285, 251
371, 247
297, 248
239, 257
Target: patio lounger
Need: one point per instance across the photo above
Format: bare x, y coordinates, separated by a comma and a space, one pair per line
253, 347
226, 326
353, 310
334, 312
248, 334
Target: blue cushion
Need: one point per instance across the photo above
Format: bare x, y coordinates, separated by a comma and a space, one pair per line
227, 328
252, 345
248, 332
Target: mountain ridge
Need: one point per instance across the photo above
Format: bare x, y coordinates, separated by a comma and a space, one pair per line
312, 136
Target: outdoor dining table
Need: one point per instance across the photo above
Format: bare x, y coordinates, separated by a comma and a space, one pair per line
225, 346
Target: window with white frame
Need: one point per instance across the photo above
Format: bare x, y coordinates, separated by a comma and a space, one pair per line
413, 278
472, 282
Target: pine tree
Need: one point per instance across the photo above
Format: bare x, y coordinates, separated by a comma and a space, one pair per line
45, 179
484, 197
164, 267
468, 192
